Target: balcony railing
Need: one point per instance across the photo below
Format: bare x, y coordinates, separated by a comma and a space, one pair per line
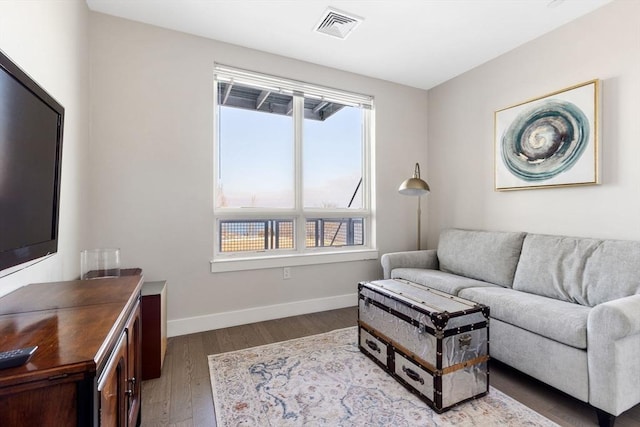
334, 232
274, 234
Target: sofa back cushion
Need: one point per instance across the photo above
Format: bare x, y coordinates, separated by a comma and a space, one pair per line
583, 271
490, 256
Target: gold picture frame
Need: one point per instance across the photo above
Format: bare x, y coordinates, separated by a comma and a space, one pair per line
550, 141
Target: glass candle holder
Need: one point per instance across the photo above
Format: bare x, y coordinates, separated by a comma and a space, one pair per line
99, 263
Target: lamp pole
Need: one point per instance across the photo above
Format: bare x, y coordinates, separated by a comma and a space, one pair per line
419, 221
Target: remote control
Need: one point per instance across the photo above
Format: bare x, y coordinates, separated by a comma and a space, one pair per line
17, 357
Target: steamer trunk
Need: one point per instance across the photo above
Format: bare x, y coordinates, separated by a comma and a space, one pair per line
433, 343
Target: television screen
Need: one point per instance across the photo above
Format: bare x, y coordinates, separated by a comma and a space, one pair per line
30, 160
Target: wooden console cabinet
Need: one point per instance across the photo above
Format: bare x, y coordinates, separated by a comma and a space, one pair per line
87, 369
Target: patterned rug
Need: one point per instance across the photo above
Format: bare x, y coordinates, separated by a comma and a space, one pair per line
324, 380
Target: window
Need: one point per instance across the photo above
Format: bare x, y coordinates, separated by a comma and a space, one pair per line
292, 168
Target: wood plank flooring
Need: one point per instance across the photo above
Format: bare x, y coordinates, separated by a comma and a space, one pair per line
181, 397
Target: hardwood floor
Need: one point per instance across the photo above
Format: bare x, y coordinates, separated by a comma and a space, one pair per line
181, 397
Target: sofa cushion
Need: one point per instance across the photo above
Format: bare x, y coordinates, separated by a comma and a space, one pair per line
558, 320
584, 271
490, 256
440, 280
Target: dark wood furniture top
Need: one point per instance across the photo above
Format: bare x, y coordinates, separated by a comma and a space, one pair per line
75, 325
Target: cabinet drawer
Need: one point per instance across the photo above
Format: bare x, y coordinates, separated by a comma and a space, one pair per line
373, 346
414, 375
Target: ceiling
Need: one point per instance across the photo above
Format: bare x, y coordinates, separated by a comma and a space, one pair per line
419, 43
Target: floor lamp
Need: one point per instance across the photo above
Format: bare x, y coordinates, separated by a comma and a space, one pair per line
415, 187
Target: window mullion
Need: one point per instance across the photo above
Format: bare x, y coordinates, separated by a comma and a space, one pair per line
298, 123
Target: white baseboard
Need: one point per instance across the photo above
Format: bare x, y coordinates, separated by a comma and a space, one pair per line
226, 319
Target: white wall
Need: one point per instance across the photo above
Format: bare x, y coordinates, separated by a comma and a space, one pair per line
49, 40
152, 172
605, 45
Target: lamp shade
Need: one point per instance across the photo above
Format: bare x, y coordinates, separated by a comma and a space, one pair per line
414, 186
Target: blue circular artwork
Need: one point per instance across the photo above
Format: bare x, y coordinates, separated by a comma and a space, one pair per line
545, 141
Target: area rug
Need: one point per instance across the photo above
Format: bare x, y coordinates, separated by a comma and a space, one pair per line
324, 380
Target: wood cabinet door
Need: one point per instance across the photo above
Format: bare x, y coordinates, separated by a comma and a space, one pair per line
112, 388
134, 365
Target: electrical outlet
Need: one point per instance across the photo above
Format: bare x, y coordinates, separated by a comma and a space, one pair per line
286, 273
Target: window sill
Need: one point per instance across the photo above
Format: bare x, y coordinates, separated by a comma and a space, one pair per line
239, 264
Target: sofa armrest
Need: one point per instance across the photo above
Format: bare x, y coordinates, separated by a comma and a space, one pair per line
410, 259
613, 345
617, 318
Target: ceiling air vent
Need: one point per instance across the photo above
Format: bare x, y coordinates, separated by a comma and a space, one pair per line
337, 24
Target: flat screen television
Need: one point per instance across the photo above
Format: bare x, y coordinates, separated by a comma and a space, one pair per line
31, 124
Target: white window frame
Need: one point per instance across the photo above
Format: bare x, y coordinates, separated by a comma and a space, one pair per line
301, 255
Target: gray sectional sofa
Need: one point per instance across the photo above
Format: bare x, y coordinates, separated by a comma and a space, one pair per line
564, 310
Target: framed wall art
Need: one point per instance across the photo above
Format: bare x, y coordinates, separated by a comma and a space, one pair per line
551, 141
